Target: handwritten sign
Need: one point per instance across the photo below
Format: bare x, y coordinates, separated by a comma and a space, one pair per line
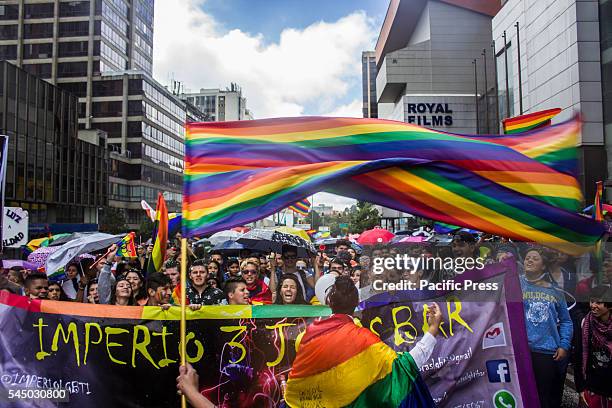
14, 227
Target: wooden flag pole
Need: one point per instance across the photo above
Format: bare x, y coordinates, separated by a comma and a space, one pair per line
183, 310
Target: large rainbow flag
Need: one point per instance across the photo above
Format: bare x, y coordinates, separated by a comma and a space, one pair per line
518, 186
330, 371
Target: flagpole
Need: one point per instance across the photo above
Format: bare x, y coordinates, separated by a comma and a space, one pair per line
183, 310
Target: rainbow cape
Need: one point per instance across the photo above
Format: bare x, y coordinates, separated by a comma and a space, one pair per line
530, 121
301, 207
340, 364
517, 186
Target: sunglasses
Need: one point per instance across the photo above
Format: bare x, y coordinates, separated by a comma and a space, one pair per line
249, 272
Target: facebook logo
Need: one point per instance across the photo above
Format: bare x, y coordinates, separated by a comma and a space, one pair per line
498, 371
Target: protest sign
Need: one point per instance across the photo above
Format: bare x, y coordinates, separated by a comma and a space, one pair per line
128, 356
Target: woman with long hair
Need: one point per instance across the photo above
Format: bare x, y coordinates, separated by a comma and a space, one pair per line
289, 291
121, 295
549, 327
55, 292
137, 281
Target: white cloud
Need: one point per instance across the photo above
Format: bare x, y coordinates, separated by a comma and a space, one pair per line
338, 202
352, 109
313, 67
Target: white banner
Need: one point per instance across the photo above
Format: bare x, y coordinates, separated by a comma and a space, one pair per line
14, 227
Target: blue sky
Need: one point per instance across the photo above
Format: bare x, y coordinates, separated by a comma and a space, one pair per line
270, 17
290, 57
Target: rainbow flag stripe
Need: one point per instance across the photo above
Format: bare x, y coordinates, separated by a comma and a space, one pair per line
521, 187
330, 371
160, 236
597, 208
530, 121
302, 207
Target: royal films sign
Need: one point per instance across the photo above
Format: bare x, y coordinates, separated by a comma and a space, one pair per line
14, 227
429, 114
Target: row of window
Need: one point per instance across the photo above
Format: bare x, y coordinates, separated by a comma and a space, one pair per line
121, 6
122, 192
160, 118
164, 101
162, 158
152, 133
145, 29
143, 63
141, 44
45, 50
111, 35
111, 16
113, 57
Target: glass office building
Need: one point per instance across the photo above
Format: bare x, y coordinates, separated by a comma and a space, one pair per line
57, 177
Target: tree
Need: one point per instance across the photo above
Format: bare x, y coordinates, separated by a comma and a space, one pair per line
112, 221
146, 229
363, 217
314, 219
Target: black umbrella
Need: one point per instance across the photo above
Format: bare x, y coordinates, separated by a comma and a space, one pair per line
264, 240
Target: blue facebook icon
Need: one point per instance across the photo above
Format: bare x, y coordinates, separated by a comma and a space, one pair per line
498, 371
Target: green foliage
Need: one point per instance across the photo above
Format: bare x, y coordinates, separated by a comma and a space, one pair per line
145, 230
112, 220
363, 217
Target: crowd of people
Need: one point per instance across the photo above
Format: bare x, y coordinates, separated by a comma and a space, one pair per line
567, 301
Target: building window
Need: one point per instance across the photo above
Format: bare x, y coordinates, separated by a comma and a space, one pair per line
108, 88
74, 9
74, 29
8, 52
36, 51
39, 70
44, 30
73, 49
107, 108
71, 69
9, 12
502, 93
8, 31
44, 10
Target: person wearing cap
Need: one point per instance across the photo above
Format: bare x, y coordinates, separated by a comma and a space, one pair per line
463, 245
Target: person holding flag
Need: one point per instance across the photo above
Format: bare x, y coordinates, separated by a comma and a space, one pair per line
160, 237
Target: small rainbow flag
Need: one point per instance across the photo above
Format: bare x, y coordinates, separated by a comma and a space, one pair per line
530, 121
332, 371
160, 236
597, 209
127, 247
301, 207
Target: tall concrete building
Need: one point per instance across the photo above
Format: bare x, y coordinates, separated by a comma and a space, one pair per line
69, 43
368, 84
220, 105
431, 59
145, 125
562, 59
102, 52
425, 57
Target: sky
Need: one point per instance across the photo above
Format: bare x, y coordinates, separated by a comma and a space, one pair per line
291, 57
